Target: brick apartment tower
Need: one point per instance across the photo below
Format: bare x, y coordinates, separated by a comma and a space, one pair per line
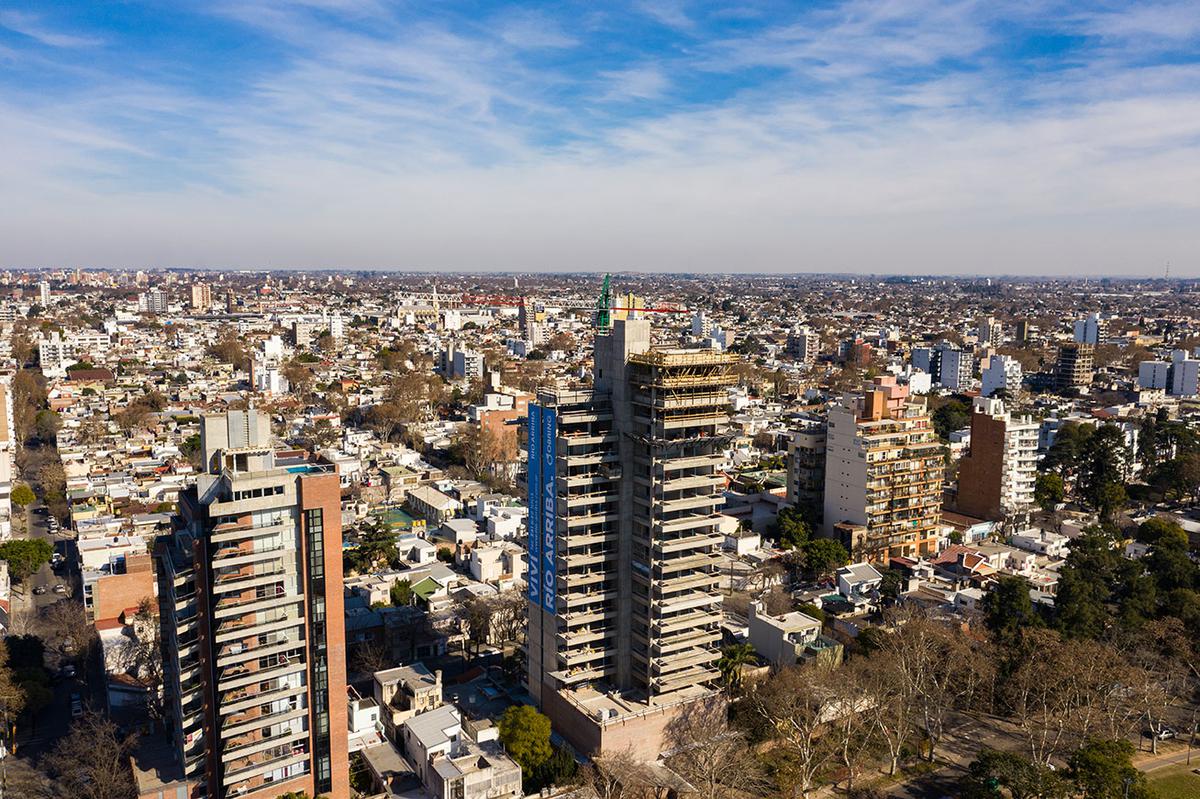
250, 593
883, 474
996, 478
624, 490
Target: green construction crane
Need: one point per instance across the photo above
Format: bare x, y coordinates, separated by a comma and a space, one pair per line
604, 308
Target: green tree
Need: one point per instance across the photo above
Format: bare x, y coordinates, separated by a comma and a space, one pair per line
1169, 562
891, 585
525, 734
22, 496
950, 416
1105, 770
1085, 585
733, 659
823, 555
1149, 531
1049, 490
794, 529
1008, 609
401, 593
1024, 779
1103, 470
47, 424
25, 556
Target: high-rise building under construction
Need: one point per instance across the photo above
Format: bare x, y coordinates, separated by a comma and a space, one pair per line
625, 483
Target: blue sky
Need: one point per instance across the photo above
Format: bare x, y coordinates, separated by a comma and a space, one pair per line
895, 136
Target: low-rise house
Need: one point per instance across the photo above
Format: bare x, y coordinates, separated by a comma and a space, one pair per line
1043, 542
454, 764
859, 583
432, 505
405, 692
790, 638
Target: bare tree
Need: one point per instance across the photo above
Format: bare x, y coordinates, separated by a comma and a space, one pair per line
796, 705
65, 626
92, 762
140, 656
714, 759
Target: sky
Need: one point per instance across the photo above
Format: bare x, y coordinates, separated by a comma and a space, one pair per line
894, 136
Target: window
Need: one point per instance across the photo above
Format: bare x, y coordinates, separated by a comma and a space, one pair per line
314, 527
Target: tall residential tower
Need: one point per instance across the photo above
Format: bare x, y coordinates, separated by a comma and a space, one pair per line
625, 483
250, 596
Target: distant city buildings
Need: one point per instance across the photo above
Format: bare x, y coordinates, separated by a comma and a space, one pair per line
201, 297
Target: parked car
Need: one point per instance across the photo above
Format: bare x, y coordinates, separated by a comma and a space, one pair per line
60, 589
39, 589
76, 705
67, 672
1166, 734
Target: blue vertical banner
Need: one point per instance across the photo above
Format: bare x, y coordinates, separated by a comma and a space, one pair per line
533, 523
549, 511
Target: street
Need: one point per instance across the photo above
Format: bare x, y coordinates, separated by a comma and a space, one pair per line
54, 720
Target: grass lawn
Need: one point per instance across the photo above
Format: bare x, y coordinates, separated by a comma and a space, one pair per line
1176, 783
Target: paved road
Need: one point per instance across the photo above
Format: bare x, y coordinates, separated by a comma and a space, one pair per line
54, 720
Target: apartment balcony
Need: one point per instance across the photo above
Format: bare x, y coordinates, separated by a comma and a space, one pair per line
678, 661
254, 700
241, 652
593, 498
279, 600
236, 682
666, 546
688, 601
584, 438
241, 507
580, 636
233, 556
256, 766
249, 744
589, 519
662, 466
691, 522
584, 559
704, 637
702, 501
230, 631
580, 599
582, 538
254, 720
240, 532
585, 616
575, 582
588, 656
697, 675
670, 566
667, 625
242, 580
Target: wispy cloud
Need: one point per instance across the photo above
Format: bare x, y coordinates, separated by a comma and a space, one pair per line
32, 26
902, 135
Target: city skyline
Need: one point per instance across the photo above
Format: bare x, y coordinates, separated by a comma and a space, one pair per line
936, 138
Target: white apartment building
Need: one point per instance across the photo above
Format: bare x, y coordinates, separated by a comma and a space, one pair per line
1154, 374
1002, 372
803, 344
1185, 375
1091, 330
